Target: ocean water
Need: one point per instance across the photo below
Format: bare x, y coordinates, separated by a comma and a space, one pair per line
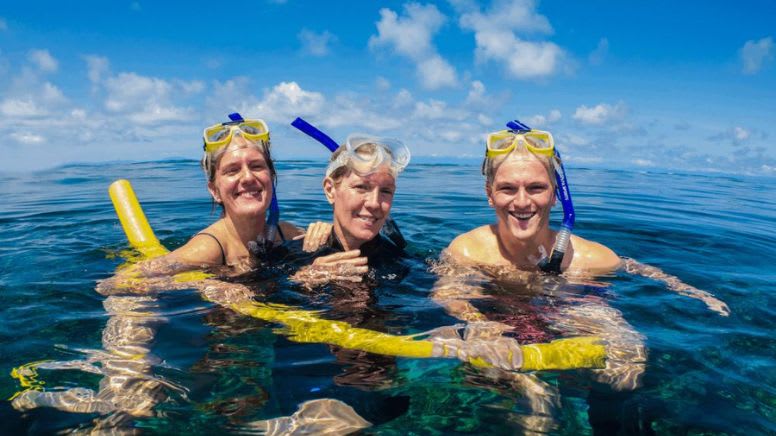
219, 371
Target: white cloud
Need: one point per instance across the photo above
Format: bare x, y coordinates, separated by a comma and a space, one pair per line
495, 35
410, 36
21, 108
755, 54
43, 60
600, 113
316, 44
740, 133
598, 55
382, 83
97, 67
144, 100
288, 100
435, 73
27, 138
544, 120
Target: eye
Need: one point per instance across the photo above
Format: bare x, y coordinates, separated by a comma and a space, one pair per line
230, 170
361, 187
536, 188
258, 166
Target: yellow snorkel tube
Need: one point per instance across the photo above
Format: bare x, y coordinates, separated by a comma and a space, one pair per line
306, 326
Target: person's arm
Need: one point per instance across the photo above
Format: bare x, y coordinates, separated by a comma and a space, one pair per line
633, 266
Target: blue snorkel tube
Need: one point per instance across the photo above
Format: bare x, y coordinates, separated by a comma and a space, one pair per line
553, 263
263, 243
390, 229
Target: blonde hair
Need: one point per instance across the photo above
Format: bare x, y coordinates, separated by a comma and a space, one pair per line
366, 151
491, 164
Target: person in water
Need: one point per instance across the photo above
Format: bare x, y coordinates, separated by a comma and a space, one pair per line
520, 168
360, 184
241, 179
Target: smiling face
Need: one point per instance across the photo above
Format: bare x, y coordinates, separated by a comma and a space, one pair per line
242, 182
361, 205
522, 195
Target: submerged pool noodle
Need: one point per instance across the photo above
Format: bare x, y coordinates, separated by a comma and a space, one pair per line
305, 326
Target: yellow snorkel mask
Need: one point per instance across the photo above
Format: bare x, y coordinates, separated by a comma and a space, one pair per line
219, 135
504, 141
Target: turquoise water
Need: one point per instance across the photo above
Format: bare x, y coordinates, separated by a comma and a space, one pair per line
705, 373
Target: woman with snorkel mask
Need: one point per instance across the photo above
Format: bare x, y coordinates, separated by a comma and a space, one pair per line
524, 178
241, 179
360, 183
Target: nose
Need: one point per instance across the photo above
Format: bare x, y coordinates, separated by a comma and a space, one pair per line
372, 199
246, 173
521, 198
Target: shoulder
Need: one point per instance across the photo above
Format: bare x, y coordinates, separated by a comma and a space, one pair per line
204, 248
592, 257
289, 230
475, 246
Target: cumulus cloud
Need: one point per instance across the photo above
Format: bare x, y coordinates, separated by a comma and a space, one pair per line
600, 113
43, 60
410, 36
496, 36
143, 100
545, 120
316, 44
598, 55
755, 54
287, 100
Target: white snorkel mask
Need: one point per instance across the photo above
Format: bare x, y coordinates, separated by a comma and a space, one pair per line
364, 154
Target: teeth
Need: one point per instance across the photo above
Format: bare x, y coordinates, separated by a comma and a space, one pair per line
523, 216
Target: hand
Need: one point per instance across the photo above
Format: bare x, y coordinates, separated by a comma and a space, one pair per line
717, 305
348, 266
316, 236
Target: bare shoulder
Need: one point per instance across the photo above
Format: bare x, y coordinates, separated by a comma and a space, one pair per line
289, 230
202, 249
475, 246
592, 257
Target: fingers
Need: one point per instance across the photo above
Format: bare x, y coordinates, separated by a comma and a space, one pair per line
345, 256
316, 236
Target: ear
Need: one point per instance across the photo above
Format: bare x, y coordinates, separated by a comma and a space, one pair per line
214, 192
488, 193
329, 189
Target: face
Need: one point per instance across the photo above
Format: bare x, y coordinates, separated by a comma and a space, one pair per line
522, 195
361, 205
243, 183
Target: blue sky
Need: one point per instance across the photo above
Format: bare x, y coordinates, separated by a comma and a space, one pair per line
659, 84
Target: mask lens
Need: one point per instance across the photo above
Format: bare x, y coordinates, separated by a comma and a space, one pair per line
502, 143
252, 128
539, 140
217, 134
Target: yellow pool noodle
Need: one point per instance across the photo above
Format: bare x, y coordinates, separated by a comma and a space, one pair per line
305, 326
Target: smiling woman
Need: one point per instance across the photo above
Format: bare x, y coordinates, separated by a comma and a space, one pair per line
241, 180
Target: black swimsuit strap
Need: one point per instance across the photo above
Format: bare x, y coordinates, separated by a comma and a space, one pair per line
223, 254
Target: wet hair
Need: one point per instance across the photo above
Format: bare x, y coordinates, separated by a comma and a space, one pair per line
491, 164
366, 151
210, 161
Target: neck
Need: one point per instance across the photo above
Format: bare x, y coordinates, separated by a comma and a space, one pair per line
245, 228
525, 253
348, 242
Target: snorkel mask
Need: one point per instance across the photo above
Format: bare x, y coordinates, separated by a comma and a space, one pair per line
364, 153
542, 143
220, 135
